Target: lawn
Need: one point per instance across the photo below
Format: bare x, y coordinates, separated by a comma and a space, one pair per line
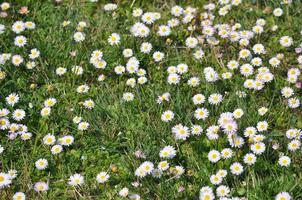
138, 99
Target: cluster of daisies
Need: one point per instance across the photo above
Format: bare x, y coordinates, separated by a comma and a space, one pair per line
252, 63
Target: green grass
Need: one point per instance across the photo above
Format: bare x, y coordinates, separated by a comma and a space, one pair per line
118, 129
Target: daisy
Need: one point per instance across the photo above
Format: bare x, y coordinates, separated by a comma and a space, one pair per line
164, 30
258, 148
4, 112
262, 126
147, 166
158, 56
20, 41
167, 116
66, 140
258, 29
12, 99
226, 153
201, 113
131, 82
198, 54
18, 114
191, 42
56, 149
179, 170
236, 168
12, 173
293, 102
249, 159
114, 39
124, 192
45, 111
246, 70
4, 123
287, 92
141, 72
128, 96
198, 99
238, 113
256, 61
216, 180
82, 24
167, 152
226, 75
17, 60
181, 132
233, 64
284, 161
30, 65
222, 173
82, 89
137, 12
196, 130
222, 191
119, 70
292, 133
110, 7
89, 104
41, 187
275, 62
173, 79
97, 54
26, 136
134, 197
163, 165
230, 127
127, 53
79, 37
102, 177
140, 30
262, 111
286, 41
82, 126
214, 156
18, 27
41, 164
294, 145
148, 18
19, 196
140, 172
49, 139
76, 180
50, 102
177, 11
212, 132
61, 71
142, 80
5, 180
283, 196
65, 23
182, 68
215, 99
30, 25
210, 75
193, 82
5, 6
206, 196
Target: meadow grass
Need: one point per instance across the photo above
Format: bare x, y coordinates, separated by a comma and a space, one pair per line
117, 128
